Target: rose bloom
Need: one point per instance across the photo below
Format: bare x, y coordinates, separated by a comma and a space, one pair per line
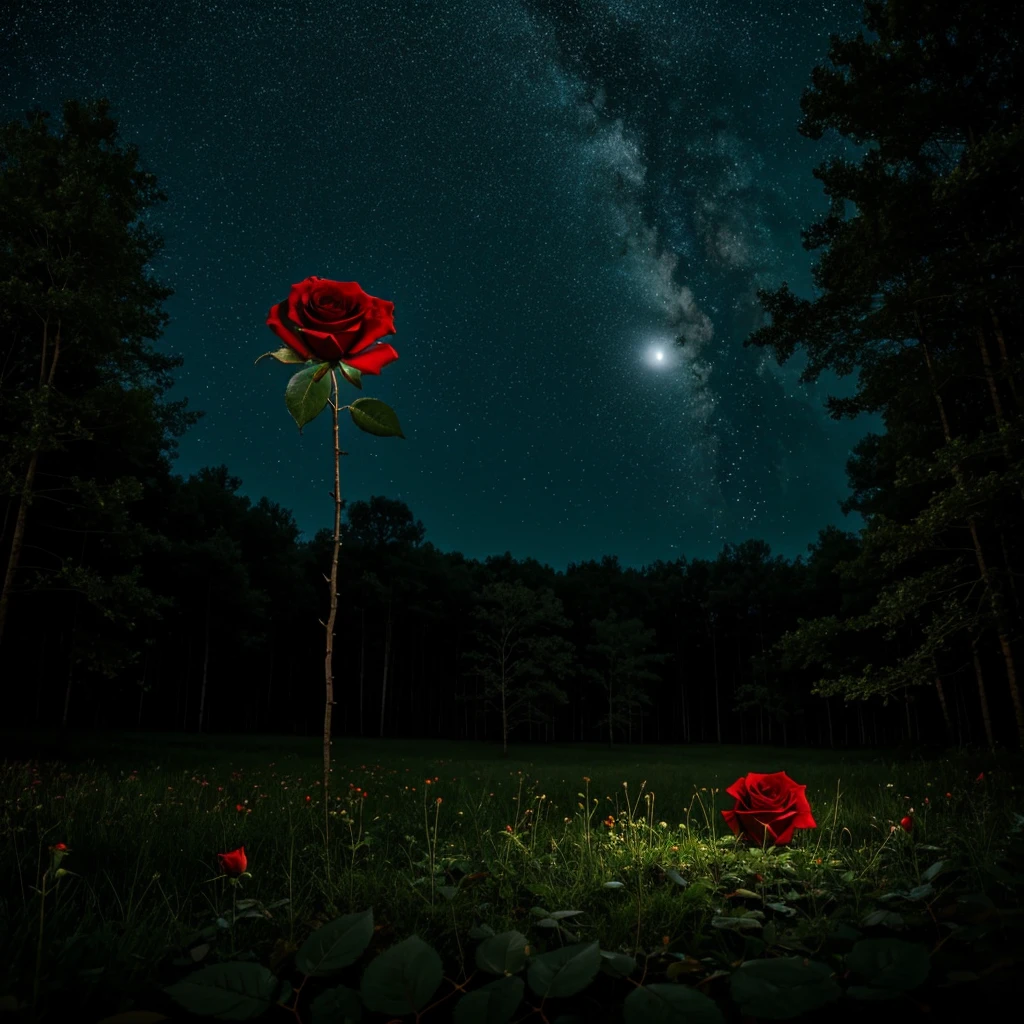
335, 321
907, 824
233, 863
768, 807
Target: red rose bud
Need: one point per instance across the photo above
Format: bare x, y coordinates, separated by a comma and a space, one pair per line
768, 808
335, 321
907, 824
233, 863
59, 848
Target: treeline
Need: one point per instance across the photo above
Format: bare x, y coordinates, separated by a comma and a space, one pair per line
134, 597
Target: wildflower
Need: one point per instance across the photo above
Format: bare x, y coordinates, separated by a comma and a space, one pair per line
586, 778
907, 824
233, 863
59, 848
308, 799
240, 808
610, 821
508, 828
438, 801
949, 796
981, 777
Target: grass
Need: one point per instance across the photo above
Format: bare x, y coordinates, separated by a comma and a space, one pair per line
449, 841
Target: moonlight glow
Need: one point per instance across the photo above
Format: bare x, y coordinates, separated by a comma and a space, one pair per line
660, 354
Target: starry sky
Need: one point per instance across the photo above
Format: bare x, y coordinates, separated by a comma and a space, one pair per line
551, 192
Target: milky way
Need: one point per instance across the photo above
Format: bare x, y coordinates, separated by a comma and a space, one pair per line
549, 192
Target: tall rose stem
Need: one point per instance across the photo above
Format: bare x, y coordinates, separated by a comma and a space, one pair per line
329, 657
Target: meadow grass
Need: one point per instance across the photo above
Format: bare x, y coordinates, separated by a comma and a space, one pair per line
443, 839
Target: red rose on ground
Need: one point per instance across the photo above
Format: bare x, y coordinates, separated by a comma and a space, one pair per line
768, 807
335, 320
233, 863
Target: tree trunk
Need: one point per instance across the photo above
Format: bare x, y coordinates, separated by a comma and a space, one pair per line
47, 370
362, 663
206, 658
986, 718
71, 666
718, 706
992, 588
387, 655
941, 693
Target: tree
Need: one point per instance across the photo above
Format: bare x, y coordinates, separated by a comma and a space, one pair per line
621, 649
906, 285
82, 413
517, 657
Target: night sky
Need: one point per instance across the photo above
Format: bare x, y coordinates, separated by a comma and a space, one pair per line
551, 193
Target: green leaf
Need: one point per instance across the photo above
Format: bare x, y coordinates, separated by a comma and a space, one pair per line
618, 965
614, 885
283, 355
402, 979
736, 924
932, 873
230, 991
494, 1003
335, 945
502, 954
352, 375
375, 417
306, 397
676, 877
890, 964
339, 1005
782, 988
564, 972
670, 1004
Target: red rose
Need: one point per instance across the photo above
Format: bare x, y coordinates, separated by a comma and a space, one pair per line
335, 320
233, 863
768, 806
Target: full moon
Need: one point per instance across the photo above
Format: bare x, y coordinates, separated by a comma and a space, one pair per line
659, 355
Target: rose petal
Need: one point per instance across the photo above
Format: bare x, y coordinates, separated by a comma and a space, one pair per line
277, 323
373, 359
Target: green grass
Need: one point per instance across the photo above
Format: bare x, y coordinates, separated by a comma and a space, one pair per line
144, 818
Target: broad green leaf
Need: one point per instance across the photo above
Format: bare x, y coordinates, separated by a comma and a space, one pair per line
494, 1003
890, 963
338, 1005
618, 965
564, 972
670, 1004
352, 375
306, 397
283, 355
614, 885
230, 991
502, 954
782, 988
676, 877
736, 924
934, 871
375, 417
336, 945
402, 979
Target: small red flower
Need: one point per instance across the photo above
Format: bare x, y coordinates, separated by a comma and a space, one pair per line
907, 824
981, 777
308, 798
59, 847
240, 808
949, 796
233, 863
609, 821
508, 828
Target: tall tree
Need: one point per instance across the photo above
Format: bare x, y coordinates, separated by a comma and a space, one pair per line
624, 673
518, 657
78, 314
